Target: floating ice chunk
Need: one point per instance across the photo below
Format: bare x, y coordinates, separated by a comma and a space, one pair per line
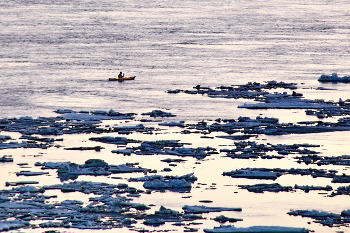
114, 113
8, 225
147, 178
333, 78
125, 151
63, 111
270, 120
129, 128
307, 188
96, 148
341, 179
176, 183
96, 117
125, 168
4, 121
49, 165
174, 91
154, 222
72, 202
250, 174
128, 221
223, 219
158, 113
169, 160
172, 123
289, 103
29, 173
26, 118
314, 214
6, 158
51, 224
196, 209
187, 177
95, 167
75, 169
165, 211
16, 205
28, 188
183, 151
345, 213
5, 138
12, 145
260, 188
257, 229
99, 112
95, 163
236, 137
4, 198
113, 140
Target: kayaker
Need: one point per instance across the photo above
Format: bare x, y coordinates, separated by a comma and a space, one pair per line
120, 75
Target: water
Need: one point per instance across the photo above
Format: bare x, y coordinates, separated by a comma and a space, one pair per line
59, 54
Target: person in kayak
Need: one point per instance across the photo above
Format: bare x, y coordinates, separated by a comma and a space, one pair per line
120, 75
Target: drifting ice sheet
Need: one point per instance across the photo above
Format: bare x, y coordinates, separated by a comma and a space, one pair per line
257, 229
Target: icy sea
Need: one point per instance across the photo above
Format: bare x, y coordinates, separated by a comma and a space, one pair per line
59, 54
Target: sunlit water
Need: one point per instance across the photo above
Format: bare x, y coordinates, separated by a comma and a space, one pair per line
59, 54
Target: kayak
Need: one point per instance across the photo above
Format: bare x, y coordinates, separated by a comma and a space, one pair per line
122, 79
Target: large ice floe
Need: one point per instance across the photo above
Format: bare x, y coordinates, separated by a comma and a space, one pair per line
158, 113
274, 173
333, 78
167, 184
323, 217
175, 183
11, 225
94, 115
93, 167
289, 102
198, 209
256, 229
267, 100
253, 174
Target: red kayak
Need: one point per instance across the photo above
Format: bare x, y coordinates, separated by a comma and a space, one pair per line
122, 79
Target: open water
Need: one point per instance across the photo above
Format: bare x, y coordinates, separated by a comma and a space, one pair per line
58, 54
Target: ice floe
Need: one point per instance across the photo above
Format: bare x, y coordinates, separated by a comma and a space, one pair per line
113, 140
31, 173
289, 103
11, 225
257, 229
323, 217
167, 184
333, 78
6, 158
274, 173
252, 174
158, 113
106, 207
260, 188
223, 219
93, 167
97, 116
198, 209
